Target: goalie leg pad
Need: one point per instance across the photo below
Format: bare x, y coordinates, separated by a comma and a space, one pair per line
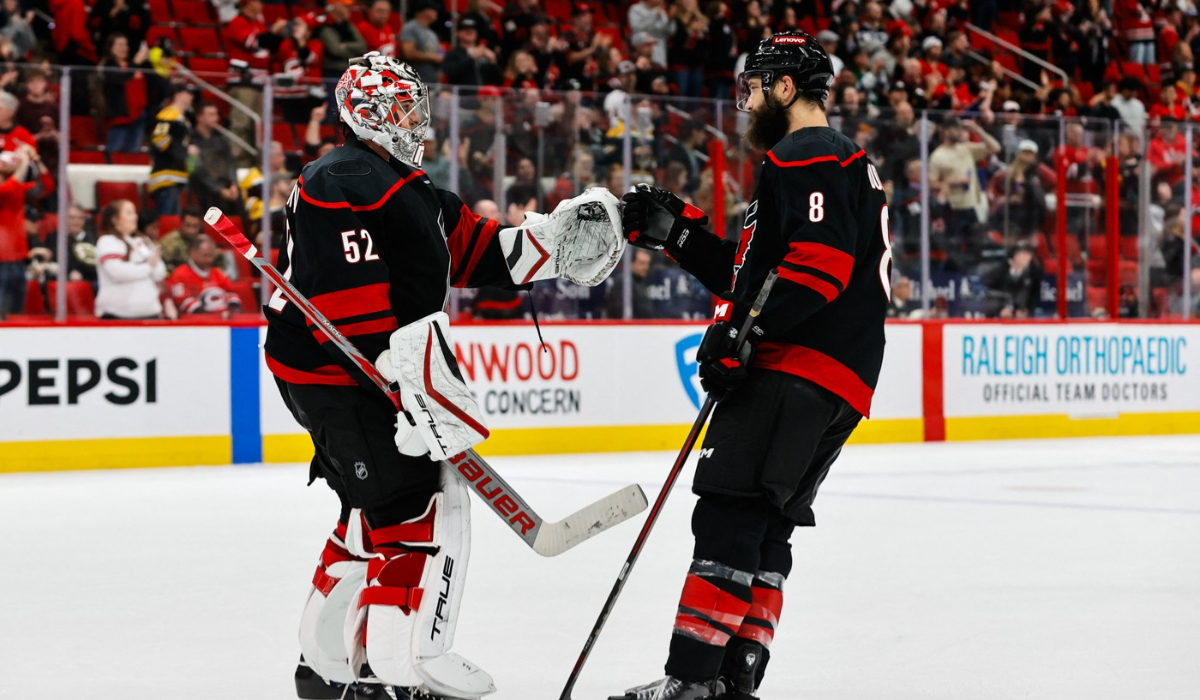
339, 576
421, 360
408, 611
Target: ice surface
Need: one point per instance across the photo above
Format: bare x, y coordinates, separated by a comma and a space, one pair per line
1053, 569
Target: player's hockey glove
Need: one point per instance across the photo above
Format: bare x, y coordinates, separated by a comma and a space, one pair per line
722, 366
656, 219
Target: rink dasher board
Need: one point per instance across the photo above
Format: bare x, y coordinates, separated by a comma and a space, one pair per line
98, 396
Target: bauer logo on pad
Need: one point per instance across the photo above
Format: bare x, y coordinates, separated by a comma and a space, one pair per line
685, 359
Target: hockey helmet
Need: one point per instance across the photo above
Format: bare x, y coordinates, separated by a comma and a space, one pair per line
793, 53
383, 100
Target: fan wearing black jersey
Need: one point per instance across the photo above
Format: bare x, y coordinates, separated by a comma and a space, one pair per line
789, 400
375, 246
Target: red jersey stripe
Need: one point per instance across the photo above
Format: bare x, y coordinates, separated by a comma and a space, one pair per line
818, 368
462, 274
833, 262
813, 282
853, 158
332, 375
461, 235
359, 207
379, 325
368, 299
810, 161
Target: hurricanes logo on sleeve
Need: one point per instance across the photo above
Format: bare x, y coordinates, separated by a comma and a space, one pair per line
744, 244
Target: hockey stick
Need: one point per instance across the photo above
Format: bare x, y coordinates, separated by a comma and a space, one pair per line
546, 538
688, 444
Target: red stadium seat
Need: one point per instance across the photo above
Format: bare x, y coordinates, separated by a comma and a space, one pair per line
1097, 248
1127, 272
558, 9
1153, 75
1086, 91
80, 298
284, 134
160, 11
83, 131
47, 226
158, 32
247, 294
87, 158
192, 12
275, 11
213, 70
1133, 70
111, 191
1097, 298
1097, 272
35, 301
167, 223
1129, 247
199, 40
245, 270
130, 158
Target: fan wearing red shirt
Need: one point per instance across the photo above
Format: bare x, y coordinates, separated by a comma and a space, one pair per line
14, 245
198, 287
1169, 105
300, 60
376, 29
251, 45
13, 137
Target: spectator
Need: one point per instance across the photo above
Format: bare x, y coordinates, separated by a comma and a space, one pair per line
147, 224
420, 44
176, 244
1018, 285
470, 63
1138, 25
550, 54
522, 71
81, 246
527, 177
953, 171
12, 134
128, 17
1166, 153
200, 288
169, 152
129, 265
516, 24
902, 290
872, 32
484, 14
722, 52
643, 303
487, 209
69, 34
1127, 104
316, 144
829, 41
14, 245
343, 42
214, 180
377, 30
897, 143
251, 46
1169, 106
583, 46
299, 85
505, 304
691, 151
649, 17
689, 43
1018, 198
38, 113
17, 28
122, 94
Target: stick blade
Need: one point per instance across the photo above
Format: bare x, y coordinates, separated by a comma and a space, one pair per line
555, 538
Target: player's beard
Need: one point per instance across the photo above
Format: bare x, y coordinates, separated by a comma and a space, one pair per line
768, 126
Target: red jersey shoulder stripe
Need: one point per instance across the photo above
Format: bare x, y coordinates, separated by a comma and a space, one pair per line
835, 263
360, 207
810, 161
813, 282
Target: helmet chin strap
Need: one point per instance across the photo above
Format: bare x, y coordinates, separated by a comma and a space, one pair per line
780, 107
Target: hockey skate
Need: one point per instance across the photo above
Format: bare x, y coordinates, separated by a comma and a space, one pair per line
672, 689
310, 686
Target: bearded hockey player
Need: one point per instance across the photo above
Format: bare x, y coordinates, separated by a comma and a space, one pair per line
375, 247
790, 400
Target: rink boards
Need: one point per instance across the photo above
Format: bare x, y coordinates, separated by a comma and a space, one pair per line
102, 396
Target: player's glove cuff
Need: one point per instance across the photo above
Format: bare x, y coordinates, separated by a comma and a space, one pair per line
656, 219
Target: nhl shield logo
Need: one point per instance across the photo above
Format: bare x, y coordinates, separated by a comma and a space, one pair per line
360, 470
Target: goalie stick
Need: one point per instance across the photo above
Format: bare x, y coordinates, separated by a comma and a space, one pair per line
546, 538
686, 450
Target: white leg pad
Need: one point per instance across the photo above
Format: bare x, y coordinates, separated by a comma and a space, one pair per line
321, 636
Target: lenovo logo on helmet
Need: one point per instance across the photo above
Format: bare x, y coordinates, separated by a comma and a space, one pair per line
787, 39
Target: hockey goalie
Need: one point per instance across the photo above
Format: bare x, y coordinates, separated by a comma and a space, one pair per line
376, 246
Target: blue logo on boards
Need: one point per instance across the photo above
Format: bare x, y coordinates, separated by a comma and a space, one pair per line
685, 359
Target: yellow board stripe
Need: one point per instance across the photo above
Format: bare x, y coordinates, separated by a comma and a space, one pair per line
611, 438
114, 453
1059, 426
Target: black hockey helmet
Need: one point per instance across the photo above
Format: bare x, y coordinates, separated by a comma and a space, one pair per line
793, 53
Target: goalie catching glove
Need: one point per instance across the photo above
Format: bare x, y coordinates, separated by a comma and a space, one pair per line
579, 241
440, 415
656, 219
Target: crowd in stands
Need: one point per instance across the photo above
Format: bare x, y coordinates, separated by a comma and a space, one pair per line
547, 93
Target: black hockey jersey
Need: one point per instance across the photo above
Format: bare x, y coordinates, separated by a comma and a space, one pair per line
820, 218
375, 246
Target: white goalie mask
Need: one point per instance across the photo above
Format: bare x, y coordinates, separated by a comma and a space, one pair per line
383, 101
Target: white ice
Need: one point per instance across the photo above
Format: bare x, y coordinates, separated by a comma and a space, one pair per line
1053, 569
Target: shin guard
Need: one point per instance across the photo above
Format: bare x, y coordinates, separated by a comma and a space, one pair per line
713, 603
339, 575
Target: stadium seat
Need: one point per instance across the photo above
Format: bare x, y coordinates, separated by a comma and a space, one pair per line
1132, 69
558, 9
247, 294
213, 70
1097, 298
87, 158
118, 158
245, 270
1127, 272
192, 12
167, 223
1129, 247
199, 40
1153, 75
1097, 248
111, 191
83, 131
1086, 91
1097, 272
160, 11
275, 11
284, 134
158, 32
1008, 61
80, 298
47, 226
35, 301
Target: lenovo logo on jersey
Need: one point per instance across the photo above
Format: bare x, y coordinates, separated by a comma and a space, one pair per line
441, 613
504, 503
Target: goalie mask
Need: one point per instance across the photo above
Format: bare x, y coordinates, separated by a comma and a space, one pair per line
383, 101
